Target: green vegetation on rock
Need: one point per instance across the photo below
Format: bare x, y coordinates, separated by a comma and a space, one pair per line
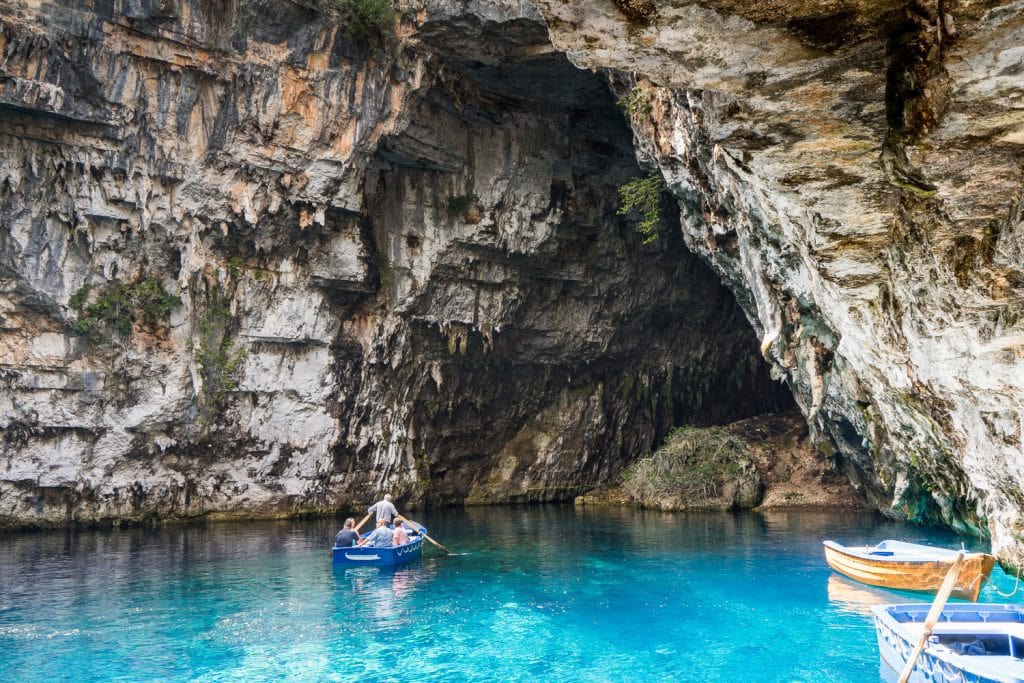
637, 102
644, 195
693, 464
111, 311
362, 19
235, 264
641, 11
219, 365
216, 354
458, 206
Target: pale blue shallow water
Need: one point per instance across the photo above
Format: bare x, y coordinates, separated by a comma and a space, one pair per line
541, 593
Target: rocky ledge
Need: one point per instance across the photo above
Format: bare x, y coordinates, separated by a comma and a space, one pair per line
763, 462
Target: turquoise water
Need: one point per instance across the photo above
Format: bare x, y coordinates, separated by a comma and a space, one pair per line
540, 593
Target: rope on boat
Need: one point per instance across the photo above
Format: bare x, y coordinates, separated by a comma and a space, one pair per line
1016, 587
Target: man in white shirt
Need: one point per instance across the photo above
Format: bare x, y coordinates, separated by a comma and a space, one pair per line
384, 509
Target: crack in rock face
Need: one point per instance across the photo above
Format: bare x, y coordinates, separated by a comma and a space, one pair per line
860, 191
388, 265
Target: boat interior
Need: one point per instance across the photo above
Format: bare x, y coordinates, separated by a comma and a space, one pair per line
897, 551
994, 636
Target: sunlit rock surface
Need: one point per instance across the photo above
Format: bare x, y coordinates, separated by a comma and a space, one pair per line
406, 256
853, 172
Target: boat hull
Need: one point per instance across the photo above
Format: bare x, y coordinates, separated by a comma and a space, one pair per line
378, 557
971, 642
908, 574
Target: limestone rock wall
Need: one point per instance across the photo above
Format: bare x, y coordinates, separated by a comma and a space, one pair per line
405, 258
398, 264
853, 171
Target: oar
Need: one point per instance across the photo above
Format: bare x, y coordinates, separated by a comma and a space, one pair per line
423, 532
361, 522
933, 615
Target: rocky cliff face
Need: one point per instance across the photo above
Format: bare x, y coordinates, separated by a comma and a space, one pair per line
253, 265
400, 265
853, 172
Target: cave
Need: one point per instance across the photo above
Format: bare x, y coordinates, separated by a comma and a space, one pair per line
556, 276
532, 312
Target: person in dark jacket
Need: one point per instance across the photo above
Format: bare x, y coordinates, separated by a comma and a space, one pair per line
347, 537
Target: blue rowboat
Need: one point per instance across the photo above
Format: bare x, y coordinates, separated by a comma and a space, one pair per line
394, 556
976, 643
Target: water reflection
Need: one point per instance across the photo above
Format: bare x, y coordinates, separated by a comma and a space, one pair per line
381, 594
856, 598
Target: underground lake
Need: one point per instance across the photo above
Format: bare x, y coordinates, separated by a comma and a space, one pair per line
530, 593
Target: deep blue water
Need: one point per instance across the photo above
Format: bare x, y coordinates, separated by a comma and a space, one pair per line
540, 593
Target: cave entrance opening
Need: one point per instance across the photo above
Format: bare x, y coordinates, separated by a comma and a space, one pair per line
542, 345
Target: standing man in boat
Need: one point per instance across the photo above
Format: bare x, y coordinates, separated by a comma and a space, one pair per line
384, 509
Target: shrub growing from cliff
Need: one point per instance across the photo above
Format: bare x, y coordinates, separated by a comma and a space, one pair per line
219, 364
111, 311
215, 352
465, 207
644, 195
640, 11
693, 464
362, 19
636, 102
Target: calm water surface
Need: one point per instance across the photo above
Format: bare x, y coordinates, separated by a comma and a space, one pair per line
537, 593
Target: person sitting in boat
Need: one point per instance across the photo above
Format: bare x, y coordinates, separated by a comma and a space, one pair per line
347, 537
401, 538
381, 537
384, 509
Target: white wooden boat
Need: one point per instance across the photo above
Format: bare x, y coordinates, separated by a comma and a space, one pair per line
977, 643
